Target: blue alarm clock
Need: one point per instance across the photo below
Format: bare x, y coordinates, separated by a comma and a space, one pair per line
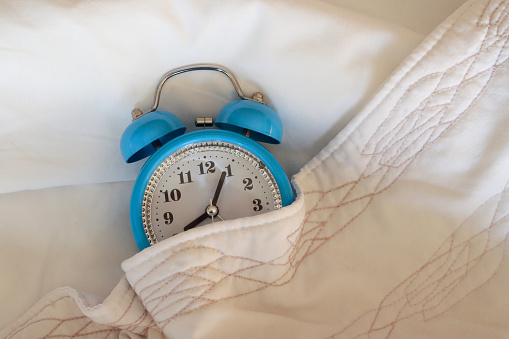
207, 175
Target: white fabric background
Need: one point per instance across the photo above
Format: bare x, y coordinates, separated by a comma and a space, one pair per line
72, 73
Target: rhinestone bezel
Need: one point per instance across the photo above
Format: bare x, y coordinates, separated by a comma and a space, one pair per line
188, 150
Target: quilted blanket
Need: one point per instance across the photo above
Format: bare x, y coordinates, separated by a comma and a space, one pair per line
399, 229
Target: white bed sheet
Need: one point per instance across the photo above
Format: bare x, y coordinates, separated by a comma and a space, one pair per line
72, 73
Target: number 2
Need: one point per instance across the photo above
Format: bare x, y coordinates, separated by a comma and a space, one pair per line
249, 184
208, 168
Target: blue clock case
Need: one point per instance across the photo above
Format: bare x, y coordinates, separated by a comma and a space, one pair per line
195, 137
159, 134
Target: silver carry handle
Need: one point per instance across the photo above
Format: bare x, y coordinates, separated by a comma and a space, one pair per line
257, 96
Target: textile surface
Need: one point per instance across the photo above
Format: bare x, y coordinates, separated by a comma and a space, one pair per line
399, 228
72, 73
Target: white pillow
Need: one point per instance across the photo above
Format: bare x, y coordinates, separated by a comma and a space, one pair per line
72, 73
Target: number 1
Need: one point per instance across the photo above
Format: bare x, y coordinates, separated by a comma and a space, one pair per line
229, 171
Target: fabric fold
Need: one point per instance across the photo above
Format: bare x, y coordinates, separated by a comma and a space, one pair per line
399, 230
67, 312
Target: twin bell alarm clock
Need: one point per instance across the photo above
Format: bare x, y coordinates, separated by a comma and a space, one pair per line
204, 176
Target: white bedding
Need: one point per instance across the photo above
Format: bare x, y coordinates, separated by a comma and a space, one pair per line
400, 228
72, 74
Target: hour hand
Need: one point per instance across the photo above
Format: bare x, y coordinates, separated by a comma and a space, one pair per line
196, 221
209, 212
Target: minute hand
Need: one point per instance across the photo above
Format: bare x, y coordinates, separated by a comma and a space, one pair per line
218, 189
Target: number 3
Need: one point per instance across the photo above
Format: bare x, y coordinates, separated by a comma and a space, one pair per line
258, 205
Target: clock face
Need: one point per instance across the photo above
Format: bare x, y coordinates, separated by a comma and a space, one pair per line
203, 183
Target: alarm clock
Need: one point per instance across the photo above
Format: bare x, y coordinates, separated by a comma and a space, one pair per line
206, 176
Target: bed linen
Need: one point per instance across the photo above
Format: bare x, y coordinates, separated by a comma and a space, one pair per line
399, 229
72, 73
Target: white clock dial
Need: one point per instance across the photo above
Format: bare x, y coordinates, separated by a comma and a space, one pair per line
203, 183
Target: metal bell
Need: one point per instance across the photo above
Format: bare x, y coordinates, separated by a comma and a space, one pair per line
147, 133
252, 119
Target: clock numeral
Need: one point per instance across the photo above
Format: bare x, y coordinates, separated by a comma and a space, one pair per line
208, 167
168, 218
174, 195
258, 205
249, 184
185, 178
229, 171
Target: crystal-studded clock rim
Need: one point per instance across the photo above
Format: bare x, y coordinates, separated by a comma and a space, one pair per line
188, 150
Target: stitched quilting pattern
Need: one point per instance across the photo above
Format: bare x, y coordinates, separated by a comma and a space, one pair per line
466, 261
214, 275
427, 109
63, 321
62, 315
423, 112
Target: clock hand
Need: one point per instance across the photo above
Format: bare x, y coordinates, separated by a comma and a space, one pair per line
196, 221
213, 211
218, 189
213, 202
208, 208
